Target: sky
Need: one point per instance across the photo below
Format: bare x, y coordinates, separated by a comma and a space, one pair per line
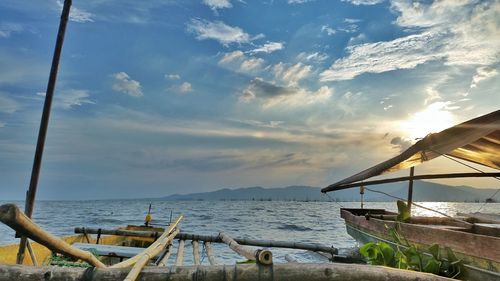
178, 96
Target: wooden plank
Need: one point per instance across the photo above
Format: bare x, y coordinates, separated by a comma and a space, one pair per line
163, 260
179, 260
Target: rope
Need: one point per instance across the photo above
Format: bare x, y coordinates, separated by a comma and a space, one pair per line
333, 200
418, 205
473, 168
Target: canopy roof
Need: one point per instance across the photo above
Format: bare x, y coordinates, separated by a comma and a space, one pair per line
477, 140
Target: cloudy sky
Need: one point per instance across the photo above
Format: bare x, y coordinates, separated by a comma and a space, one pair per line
175, 96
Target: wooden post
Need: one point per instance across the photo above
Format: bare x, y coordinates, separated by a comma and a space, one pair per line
17, 220
210, 254
264, 257
196, 252
410, 189
31, 252
180, 254
37, 162
362, 192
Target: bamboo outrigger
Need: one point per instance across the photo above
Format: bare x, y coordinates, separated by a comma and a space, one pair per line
473, 238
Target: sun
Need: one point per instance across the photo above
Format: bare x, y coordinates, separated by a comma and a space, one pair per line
435, 118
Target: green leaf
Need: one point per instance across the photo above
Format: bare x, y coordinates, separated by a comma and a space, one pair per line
387, 253
432, 266
403, 211
434, 250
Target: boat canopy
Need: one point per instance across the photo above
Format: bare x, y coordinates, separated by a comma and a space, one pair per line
477, 141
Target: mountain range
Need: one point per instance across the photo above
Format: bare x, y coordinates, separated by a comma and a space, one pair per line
422, 191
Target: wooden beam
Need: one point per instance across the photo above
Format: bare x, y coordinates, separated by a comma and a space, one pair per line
315, 247
162, 261
210, 254
418, 177
410, 188
261, 256
196, 252
17, 220
179, 260
235, 272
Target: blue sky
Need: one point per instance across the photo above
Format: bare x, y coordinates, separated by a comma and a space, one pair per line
160, 97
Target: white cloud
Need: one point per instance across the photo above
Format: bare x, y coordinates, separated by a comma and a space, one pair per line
269, 94
185, 87
123, 83
218, 4
6, 29
312, 57
299, 1
172, 76
269, 47
77, 14
8, 105
482, 73
293, 74
364, 2
68, 99
218, 31
402, 53
328, 30
251, 64
239, 62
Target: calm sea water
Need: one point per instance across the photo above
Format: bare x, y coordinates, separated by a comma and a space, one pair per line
317, 222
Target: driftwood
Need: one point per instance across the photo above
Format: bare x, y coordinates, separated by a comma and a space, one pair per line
238, 272
210, 254
149, 253
216, 239
155, 248
196, 252
13, 217
261, 256
179, 259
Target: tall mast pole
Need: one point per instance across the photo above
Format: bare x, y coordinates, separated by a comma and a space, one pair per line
31, 194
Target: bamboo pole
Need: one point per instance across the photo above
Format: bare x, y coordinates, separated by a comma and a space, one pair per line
13, 217
315, 247
262, 256
44, 123
153, 247
180, 254
238, 272
210, 254
196, 252
163, 260
147, 255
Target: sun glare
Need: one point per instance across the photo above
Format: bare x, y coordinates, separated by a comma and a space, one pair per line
435, 118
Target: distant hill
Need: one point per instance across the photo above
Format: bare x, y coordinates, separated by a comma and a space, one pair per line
422, 191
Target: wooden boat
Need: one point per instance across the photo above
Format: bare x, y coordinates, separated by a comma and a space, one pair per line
474, 238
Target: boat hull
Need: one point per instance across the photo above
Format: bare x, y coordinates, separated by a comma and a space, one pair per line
480, 253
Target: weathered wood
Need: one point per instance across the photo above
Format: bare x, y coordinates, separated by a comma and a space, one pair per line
315, 247
32, 253
149, 254
210, 254
196, 252
262, 256
14, 218
179, 259
162, 261
156, 247
238, 272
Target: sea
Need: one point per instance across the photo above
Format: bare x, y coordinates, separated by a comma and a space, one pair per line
312, 222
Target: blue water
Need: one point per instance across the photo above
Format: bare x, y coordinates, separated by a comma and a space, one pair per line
317, 222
